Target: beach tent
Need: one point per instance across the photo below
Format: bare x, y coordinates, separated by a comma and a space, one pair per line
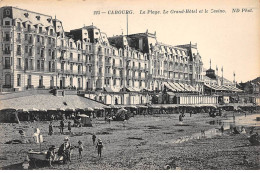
85, 120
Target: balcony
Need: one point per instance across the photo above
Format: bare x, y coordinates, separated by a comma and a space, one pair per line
7, 66
18, 28
101, 52
29, 31
62, 48
7, 38
18, 40
19, 67
29, 87
41, 87
117, 66
108, 75
19, 53
7, 52
51, 69
108, 63
7, 86
30, 41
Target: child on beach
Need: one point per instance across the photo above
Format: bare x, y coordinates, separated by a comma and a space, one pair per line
80, 149
50, 128
50, 155
99, 147
94, 139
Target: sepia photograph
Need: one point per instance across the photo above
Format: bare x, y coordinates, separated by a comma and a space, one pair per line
129, 85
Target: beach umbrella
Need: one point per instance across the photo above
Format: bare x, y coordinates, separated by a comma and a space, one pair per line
33, 110
60, 109
89, 109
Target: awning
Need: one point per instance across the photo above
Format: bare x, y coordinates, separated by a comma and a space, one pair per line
171, 93
108, 89
169, 87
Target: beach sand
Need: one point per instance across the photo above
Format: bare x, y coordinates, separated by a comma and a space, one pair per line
143, 143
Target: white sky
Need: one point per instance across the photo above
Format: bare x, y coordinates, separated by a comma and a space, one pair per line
230, 39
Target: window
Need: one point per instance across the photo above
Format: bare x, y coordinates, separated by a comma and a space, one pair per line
41, 81
26, 49
114, 82
70, 44
71, 81
71, 55
19, 36
40, 29
49, 40
62, 66
51, 31
38, 38
7, 12
18, 49
7, 23
18, 79
19, 62
38, 65
38, 50
7, 63
29, 80
26, 37
42, 38
31, 64
29, 27
71, 67
79, 71
78, 57
42, 65
49, 52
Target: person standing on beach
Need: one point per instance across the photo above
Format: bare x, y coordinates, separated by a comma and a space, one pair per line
61, 126
94, 138
50, 128
222, 129
80, 149
69, 126
99, 147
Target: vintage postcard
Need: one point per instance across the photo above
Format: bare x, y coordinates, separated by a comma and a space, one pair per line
129, 85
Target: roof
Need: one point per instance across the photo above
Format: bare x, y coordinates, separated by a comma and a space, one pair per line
50, 102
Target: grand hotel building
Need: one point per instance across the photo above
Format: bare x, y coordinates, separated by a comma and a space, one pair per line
37, 53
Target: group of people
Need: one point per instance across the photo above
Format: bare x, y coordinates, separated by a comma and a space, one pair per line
65, 150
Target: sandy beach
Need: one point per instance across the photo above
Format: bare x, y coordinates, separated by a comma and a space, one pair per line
143, 143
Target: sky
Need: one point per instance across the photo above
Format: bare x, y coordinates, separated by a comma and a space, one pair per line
231, 40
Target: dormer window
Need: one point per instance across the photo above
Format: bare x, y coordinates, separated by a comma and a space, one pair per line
49, 20
38, 17
29, 27
40, 29
26, 14
7, 23
51, 31
7, 12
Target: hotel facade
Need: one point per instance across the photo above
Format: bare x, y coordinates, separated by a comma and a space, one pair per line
36, 53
